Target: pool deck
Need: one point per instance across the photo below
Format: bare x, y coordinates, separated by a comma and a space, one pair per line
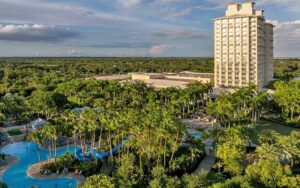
34, 172
11, 160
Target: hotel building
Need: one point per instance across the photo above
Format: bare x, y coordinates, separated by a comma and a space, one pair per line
243, 47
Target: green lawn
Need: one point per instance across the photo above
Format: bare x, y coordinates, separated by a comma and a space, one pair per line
263, 125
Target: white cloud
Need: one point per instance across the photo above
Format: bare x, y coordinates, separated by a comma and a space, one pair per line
37, 11
169, 1
286, 5
278, 2
129, 3
191, 9
290, 5
127, 45
75, 52
286, 38
36, 33
56, 13
158, 49
181, 34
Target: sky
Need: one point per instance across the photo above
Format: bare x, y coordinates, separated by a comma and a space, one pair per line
130, 28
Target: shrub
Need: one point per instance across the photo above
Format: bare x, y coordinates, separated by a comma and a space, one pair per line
66, 161
2, 156
3, 185
14, 132
187, 158
89, 168
72, 164
99, 180
296, 170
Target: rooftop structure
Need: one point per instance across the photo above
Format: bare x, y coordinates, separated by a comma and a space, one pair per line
164, 80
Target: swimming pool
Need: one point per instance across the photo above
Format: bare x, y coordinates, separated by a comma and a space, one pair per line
197, 134
16, 175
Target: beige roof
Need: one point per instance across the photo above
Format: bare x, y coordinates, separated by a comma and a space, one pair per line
164, 83
112, 77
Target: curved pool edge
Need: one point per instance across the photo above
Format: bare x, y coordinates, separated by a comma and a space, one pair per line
15, 161
25, 153
38, 176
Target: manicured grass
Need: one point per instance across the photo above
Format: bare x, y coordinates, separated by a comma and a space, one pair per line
14, 132
264, 125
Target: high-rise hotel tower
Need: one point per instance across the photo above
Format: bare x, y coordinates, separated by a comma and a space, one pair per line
243, 47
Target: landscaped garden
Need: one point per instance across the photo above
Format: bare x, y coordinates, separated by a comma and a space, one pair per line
125, 134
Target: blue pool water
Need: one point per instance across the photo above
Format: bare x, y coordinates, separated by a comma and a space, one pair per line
16, 175
197, 135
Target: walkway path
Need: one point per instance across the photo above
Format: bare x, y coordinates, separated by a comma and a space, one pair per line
206, 164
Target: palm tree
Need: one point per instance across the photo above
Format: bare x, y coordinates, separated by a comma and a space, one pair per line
257, 102
90, 118
72, 117
268, 137
111, 125
102, 123
36, 137
290, 144
80, 128
269, 152
176, 130
49, 132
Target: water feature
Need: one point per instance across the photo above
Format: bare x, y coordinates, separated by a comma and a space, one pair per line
197, 134
16, 175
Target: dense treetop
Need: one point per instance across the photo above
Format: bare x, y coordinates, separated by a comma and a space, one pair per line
78, 67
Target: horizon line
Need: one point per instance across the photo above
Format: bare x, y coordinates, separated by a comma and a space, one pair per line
1, 57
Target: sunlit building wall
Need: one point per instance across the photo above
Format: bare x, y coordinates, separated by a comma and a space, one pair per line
243, 47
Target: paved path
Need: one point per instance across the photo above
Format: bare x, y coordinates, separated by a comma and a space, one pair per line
21, 127
206, 164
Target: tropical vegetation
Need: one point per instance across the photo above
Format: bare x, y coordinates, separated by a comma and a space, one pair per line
157, 150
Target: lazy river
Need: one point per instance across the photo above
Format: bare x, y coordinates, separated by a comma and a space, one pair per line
16, 175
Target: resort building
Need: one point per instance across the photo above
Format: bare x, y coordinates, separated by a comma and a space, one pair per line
165, 80
243, 47
161, 80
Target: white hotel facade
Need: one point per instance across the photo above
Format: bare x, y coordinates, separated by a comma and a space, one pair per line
243, 47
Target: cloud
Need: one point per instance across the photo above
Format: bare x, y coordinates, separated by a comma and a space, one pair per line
158, 49
184, 34
75, 52
36, 33
57, 13
60, 13
169, 1
129, 3
191, 9
291, 4
286, 38
121, 45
